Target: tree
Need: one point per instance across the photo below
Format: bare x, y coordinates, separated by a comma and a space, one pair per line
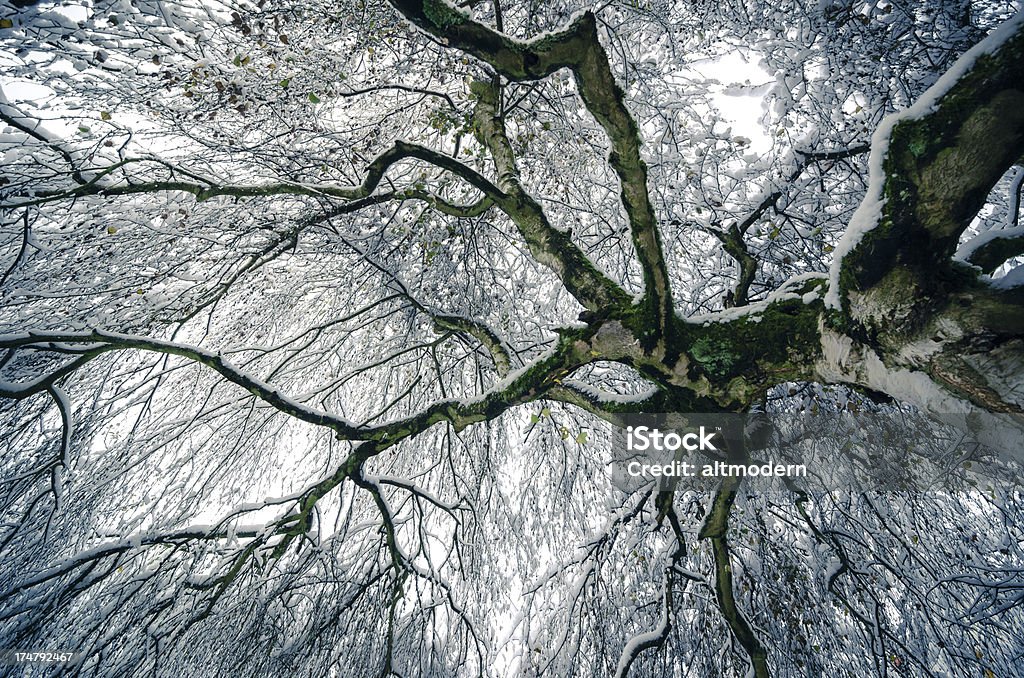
312, 313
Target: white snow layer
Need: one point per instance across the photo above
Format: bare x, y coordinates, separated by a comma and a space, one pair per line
870, 210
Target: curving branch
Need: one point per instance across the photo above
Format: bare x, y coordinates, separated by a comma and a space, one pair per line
715, 530
204, 189
488, 338
736, 247
551, 247
548, 245
578, 48
520, 387
482, 333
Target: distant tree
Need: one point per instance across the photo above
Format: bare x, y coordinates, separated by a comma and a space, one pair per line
311, 314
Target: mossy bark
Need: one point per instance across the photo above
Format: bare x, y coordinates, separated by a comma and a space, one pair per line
904, 299
938, 170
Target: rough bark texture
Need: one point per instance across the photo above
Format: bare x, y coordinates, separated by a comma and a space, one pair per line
910, 312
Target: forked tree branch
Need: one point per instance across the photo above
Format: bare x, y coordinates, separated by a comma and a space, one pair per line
579, 49
932, 169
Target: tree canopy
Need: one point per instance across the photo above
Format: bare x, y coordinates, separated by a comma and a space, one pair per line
313, 318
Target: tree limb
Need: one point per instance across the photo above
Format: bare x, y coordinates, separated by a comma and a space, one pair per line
548, 245
578, 48
401, 150
938, 161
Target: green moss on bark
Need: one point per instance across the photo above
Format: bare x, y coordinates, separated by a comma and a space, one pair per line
939, 170
770, 346
442, 15
714, 355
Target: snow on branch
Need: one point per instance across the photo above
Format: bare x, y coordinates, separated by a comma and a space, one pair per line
932, 165
578, 48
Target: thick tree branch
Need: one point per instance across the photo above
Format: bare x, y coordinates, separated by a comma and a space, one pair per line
932, 169
578, 48
715, 529
917, 324
997, 249
548, 245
